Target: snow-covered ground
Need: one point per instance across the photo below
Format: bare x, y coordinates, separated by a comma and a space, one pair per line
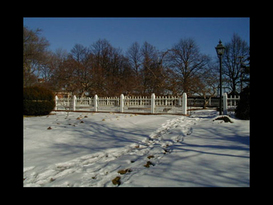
91, 149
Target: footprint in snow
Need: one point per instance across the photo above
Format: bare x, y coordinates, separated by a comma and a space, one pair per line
189, 131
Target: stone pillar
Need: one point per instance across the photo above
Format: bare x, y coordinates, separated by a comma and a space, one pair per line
184, 104
153, 103
74, 102
56, 102
121, 102
96, 103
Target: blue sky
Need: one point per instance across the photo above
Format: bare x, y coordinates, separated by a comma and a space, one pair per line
162, 33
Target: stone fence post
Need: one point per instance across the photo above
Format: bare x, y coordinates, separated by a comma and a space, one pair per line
184, 104
153, 103
96, 103
121, 102
56, 102
74, 102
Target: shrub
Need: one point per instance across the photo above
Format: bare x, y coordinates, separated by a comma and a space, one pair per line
243, 109
37, 101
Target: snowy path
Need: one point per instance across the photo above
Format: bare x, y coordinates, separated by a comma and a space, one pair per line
216, 154
182, 151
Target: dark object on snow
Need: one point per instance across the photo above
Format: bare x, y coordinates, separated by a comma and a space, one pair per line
38, 101
116, 181
124, 171
165, 151
52, 180
243, 109
147, 165
225, 118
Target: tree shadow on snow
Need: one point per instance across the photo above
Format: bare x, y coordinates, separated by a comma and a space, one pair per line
96, 137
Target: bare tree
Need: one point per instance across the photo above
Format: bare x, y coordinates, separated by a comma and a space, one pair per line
206, 84
34, 55
79, 53
82, 61
56, 61
187, 62
236, 54
134, 56
112, 70
152, 70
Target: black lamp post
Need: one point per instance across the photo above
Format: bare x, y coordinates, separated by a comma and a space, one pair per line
220, 51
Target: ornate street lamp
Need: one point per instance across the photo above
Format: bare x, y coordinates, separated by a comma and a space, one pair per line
220, 51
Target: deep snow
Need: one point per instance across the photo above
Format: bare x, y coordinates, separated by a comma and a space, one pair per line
88, 149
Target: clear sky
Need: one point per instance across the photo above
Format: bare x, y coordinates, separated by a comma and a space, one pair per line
162, 33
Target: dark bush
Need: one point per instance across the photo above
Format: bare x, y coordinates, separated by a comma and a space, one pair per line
243, 109
37, 101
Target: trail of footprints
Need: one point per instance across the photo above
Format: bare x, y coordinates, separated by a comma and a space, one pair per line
115, 166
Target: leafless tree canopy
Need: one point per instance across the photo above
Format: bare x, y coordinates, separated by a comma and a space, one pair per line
141, 70
235, 57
